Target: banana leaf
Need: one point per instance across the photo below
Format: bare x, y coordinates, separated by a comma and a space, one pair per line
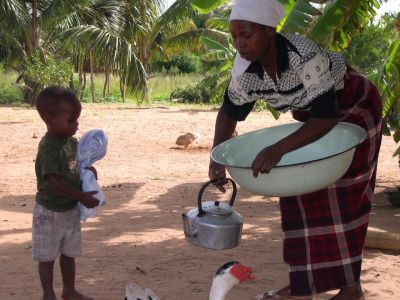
206, 6
300, 15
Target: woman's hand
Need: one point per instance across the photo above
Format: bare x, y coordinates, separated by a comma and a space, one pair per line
309, 132
267, 159
217, 171
224, 129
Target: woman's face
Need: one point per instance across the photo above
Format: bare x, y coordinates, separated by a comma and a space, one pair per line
250, 39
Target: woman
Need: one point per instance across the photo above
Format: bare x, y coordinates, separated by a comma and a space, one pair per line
324, 231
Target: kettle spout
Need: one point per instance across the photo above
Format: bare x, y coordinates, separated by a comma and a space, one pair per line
189, 232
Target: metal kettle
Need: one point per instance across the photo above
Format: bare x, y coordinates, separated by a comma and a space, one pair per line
213, 224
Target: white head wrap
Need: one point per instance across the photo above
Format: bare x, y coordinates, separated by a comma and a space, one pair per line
265, 12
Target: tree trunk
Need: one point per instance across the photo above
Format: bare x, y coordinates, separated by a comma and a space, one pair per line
91, 75
80, 81
106, 82
71, 81
108, 85
122, 88
84, 85
34, 28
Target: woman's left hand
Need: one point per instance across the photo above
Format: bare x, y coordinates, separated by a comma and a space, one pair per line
267, 159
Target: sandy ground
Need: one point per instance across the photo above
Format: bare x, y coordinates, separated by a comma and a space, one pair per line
148, 182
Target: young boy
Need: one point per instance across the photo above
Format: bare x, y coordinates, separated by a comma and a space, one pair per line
56, 227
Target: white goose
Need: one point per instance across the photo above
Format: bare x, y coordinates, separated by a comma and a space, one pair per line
226, 277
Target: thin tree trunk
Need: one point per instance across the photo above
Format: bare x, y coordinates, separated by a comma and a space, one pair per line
80, 81
91, 75
108, 85
34, 28
106, 81
122, 88
71, 81
84, 85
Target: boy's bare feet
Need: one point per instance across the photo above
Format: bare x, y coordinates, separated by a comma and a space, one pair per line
350, 293
74, 295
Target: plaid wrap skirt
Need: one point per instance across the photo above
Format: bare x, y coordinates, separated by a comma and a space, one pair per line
324, 231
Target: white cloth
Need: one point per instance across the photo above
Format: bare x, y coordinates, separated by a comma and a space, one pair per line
91, 147
265, 12
240, 65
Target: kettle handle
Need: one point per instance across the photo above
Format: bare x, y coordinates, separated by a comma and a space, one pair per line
234, 191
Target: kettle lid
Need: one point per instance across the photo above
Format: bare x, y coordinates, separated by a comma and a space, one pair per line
217, 208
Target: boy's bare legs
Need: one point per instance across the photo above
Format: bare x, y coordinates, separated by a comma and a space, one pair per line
46, 278
67, 265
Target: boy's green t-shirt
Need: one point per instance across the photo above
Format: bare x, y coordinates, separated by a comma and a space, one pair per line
56, 156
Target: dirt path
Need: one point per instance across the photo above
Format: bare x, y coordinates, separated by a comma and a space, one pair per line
148, 182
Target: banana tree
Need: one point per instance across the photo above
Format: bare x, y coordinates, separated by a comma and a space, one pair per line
388, 81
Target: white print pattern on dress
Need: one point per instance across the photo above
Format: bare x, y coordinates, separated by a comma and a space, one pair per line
293, 90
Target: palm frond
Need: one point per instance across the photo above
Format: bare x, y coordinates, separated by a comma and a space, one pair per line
191, 40
174, 19
105, 43
56, 10
13, 12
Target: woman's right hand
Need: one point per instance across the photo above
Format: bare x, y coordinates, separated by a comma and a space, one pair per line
217, 171
224, 129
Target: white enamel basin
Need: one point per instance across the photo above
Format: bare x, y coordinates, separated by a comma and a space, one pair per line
305, 170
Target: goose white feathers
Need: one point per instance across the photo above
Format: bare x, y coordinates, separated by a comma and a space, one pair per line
135, 292
226, 277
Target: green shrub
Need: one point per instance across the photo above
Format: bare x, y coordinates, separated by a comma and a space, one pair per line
183, 63
50, 71
200, 93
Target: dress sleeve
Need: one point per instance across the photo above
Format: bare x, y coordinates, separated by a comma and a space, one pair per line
236, 112
315, 74
325, 106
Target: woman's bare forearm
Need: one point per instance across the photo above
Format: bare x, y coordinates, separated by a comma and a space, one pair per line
312, 130
224, 127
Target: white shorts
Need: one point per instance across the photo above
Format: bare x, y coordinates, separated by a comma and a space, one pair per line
54, 233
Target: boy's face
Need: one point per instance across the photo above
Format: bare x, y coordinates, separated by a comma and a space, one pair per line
65, 123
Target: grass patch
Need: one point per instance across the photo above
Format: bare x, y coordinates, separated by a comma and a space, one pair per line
160, 88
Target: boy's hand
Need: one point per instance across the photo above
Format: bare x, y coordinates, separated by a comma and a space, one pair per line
93, 169
88, 200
